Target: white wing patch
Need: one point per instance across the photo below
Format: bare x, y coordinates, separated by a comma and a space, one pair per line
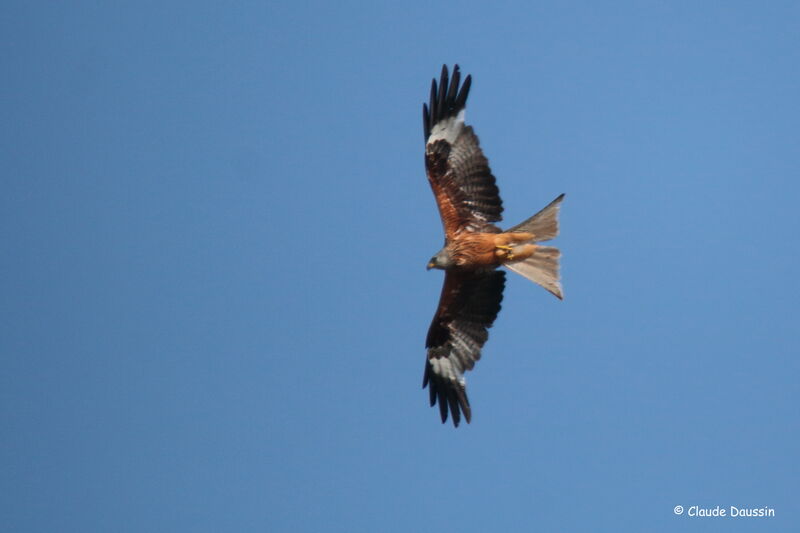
444, 367
448, 129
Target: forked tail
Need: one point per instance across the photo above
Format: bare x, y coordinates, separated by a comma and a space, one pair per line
543, 266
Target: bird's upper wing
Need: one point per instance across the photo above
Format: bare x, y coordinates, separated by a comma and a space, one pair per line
467, 308
458, 172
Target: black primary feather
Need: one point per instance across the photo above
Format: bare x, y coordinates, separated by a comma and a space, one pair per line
446, 99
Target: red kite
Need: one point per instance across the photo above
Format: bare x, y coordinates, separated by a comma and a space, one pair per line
469, 202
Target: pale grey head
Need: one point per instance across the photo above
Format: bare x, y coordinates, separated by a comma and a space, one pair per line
441, 260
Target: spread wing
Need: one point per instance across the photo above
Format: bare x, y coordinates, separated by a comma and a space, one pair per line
458, 172
467, 308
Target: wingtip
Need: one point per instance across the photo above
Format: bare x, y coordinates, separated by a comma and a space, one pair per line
454, 412
426, 122
442, 406
447, 98
461, 99
456, 70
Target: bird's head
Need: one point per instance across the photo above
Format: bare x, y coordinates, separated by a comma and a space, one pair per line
441, 260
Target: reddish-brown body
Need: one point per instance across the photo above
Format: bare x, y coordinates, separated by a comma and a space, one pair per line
477, 250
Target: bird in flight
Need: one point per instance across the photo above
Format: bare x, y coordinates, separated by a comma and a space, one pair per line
469, 204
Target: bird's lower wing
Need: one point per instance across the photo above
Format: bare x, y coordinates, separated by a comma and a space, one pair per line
467, 309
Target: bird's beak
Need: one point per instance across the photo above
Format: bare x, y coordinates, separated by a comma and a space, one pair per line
430, 265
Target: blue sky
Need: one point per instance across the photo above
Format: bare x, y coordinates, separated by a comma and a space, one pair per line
215, 224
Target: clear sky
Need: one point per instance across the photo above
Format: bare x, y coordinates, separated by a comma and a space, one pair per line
215, 223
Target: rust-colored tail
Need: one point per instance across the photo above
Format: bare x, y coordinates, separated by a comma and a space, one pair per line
543, 266
543, 224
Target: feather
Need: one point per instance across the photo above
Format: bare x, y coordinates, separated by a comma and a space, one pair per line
468, 307
544, 224
541, 268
